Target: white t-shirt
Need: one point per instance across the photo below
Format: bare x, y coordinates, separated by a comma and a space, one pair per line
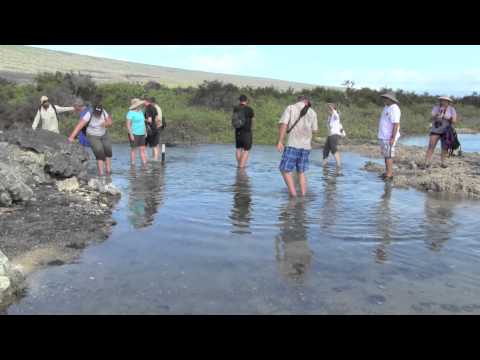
390, 116
334, 125
301, 135
96, 128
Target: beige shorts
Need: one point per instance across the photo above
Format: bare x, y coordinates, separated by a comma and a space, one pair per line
387, 150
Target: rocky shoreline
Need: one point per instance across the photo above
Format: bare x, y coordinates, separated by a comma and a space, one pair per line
50, 209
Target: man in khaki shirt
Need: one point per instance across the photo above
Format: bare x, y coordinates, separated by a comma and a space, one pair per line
47, 113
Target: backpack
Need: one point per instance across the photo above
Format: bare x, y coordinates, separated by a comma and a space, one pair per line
239, 118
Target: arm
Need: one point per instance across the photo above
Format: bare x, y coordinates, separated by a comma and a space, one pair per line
62, 109
36, 120
454, 116
396, 126
281, 137
159, 117
129, 127
81, 124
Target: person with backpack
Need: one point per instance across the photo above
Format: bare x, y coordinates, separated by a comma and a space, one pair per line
93, 125
389, 132
335, 132
443, 118
242, 121
299, 121
137, 130
153, 119
47, 113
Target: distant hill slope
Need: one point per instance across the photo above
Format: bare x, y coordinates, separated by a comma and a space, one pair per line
21, 63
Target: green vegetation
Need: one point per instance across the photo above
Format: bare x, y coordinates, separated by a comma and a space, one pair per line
206, 110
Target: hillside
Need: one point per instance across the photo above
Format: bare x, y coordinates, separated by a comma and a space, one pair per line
21, 63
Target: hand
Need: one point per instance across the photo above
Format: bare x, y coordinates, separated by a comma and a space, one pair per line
130, 136
392, 141
280, 147
70, 140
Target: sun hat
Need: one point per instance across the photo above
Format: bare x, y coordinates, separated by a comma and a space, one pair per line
136, 103
445, 98
43, 99
390, 96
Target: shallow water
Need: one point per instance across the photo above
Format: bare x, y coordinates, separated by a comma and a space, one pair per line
469, 142
197, 237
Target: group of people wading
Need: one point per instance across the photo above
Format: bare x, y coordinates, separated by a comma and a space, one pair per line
298, 123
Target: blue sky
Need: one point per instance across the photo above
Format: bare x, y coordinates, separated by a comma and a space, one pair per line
451, 70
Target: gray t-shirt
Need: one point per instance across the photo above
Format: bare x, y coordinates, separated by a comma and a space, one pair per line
96, 128
301, 135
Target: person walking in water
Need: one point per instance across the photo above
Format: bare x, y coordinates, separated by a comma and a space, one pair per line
93, 124
335, 131
154, 122
136, 131
299, 121
242, 121
443, 117
389, 132
48, 114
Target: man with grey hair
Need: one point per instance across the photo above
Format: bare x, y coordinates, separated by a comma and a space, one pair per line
299, 121
48, 114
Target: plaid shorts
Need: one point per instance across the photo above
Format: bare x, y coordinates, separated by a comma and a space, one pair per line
387, 150
294, 158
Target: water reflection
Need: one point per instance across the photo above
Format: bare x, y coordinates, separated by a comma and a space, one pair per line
241, 214
385, 224
145, 195
293, 253
329, 208
438, 221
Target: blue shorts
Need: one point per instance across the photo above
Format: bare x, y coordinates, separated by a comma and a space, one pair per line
294, 158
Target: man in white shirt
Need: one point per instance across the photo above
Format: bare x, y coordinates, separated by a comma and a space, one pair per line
47, 113
389, 132
299, 121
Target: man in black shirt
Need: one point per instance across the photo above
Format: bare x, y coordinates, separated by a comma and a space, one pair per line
243, 135
153, 138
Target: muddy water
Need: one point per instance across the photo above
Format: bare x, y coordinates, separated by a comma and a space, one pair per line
197, 237
469, 142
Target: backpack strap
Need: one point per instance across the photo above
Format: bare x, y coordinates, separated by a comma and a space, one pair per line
296, 122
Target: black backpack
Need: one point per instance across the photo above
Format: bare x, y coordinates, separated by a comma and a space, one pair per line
239, 118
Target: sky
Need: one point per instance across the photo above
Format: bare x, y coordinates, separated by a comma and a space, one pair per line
450, 70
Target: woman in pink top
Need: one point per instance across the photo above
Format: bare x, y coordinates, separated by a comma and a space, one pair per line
443, 116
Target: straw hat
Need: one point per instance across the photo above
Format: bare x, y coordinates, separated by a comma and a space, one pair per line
136, 103
43, 99
445, 98
390, 96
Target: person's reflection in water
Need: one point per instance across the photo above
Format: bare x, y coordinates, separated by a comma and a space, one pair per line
438, 221
145, 196
293, 253
242, 203
385, 225
329, 209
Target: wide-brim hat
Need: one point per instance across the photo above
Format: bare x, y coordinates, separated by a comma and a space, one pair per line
136, 103
390, 96
43, 99
445, 98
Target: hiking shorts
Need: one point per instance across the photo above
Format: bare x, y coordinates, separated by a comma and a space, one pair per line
387, 150
153, 140
101, 146
443, 140
243, 140
294, 159
331, 145
138, 140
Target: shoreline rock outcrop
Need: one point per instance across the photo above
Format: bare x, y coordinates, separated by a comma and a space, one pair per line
50, 209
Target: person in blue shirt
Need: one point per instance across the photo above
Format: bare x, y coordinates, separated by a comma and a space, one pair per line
136, 130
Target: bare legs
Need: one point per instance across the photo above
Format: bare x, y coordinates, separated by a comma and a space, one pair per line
431, 149
389, 167
156, 152
242, 157
288, 178
133, 155
108, 165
